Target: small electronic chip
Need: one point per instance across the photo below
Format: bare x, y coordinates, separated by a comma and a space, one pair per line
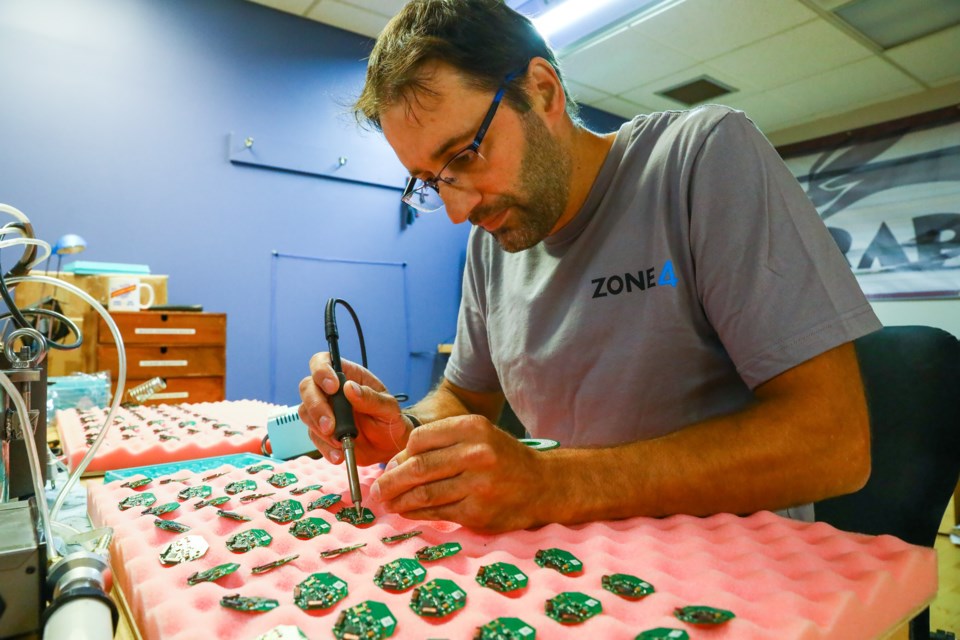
319, 591
184, 549
400, 575
232, 515
325, 502
136, 484
211, 575
369, 620
331, 553
502, 576
626, 585
308, 528
505, 629
285, 511
219, 500
438, 598
199, 491
276, 564
572, 607
302, 490
248, 604
563, 561
213, 476
251, 497
281, 480
247, 540
169, 480
703, 615
240, 485
351, 515
257, 468
663, 633
160, 509
283, 632
438, 552
400, 537
144, 499
171, 525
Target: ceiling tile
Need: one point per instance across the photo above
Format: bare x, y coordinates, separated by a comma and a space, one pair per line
849, 87
348, 17
706, 28
386, 8
623, 61
934, 59
582, 93
774, 62
767, 111
830, 5
290, 6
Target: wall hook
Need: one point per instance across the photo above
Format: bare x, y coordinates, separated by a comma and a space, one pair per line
248, 143
341, 161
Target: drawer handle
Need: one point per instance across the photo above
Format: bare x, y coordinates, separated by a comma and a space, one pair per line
152, 331
164, 363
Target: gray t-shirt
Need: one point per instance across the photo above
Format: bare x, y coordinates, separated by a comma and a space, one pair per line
696, 270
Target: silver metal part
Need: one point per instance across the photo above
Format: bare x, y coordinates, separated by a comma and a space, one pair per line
21, 570
352, 478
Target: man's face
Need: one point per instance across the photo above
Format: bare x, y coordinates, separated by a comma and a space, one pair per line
519, 188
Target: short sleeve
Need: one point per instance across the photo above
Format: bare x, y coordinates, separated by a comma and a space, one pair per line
771, 280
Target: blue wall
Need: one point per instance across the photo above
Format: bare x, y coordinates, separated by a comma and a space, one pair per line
115, 120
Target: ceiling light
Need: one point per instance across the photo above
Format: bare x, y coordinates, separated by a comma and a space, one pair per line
568, 13
894, 22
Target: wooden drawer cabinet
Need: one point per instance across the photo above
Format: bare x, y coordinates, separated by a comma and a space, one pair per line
186, 349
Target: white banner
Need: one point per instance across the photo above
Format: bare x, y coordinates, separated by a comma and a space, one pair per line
893, 206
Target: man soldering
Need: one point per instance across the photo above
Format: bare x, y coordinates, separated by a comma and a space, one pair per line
664, 301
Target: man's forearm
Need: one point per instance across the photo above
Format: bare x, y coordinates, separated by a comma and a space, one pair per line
796, 444
448, 400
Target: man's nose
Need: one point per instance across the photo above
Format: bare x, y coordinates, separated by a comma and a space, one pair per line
459, 203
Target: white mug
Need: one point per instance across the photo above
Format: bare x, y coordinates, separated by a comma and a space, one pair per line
124, 293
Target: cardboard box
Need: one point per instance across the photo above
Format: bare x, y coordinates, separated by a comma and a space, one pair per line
84, 358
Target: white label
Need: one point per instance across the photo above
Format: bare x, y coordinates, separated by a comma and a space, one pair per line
164, 363
149, 331
173, 395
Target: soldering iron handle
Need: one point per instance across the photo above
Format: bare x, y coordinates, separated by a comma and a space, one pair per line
343, 412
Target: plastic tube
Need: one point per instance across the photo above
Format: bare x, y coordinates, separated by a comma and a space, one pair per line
121, 381
43, 244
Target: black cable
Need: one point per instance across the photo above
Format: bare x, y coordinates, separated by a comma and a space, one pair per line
18, 318
57, 316
330, 322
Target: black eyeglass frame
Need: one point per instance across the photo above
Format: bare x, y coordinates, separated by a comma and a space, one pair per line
411, 188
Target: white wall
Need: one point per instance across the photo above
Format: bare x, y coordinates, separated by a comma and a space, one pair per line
944, 314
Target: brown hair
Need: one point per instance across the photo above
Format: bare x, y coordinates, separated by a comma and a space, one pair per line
483, 39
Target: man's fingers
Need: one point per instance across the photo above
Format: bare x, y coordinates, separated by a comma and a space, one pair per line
406, 472
431, 495
370, 401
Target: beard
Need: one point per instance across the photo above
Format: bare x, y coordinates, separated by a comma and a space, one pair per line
544, 190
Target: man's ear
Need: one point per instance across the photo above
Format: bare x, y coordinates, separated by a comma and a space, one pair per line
546, 91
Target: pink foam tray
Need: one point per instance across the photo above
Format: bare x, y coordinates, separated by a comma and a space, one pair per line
783, 579
157, 434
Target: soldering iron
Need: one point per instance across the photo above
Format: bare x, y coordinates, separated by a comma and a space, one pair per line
345, 430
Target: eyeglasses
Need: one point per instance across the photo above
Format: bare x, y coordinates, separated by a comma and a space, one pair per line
424, 195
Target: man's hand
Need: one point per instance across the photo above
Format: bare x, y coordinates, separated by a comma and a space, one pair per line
382, 430
465, 470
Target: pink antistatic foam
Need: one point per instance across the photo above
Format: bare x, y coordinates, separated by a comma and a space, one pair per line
784, 580
158, 434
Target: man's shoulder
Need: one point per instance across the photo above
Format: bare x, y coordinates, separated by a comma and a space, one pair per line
682, 125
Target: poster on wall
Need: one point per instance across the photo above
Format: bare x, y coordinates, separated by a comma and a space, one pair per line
893, 206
